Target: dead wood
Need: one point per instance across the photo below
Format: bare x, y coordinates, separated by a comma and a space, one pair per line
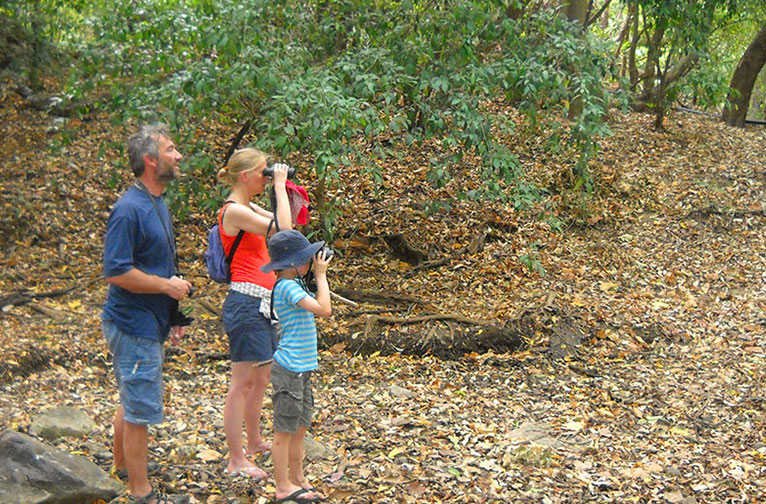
56, 315
475, 245
377, 297
23, 297
426, 318
402, 250
372, 312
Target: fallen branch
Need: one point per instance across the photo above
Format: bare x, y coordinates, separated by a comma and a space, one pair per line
378, 296
23, 297
427, 318
343, 300
373, 312
475, 245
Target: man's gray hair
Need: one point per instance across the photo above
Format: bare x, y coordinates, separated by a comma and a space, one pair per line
145, 142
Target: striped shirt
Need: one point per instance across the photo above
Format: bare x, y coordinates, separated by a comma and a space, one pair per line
297, 349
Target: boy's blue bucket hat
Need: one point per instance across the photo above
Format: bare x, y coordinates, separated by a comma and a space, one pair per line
290, 249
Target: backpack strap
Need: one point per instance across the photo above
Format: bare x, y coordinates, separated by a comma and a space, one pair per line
240, 235
273, 223
271, 302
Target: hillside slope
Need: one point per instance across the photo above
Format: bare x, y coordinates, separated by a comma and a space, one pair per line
662, 274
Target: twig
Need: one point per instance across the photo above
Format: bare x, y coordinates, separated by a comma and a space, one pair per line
343, 300
426, 318
373, 312
236, 140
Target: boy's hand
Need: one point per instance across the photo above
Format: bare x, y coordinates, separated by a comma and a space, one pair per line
321, 261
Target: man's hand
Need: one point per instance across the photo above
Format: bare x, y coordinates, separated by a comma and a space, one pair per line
177, 288
176, 334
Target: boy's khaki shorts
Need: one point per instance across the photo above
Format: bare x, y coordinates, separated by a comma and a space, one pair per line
293, 399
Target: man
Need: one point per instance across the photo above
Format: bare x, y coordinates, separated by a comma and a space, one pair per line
144, 291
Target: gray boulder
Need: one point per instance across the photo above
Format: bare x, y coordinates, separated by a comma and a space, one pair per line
61, 421
34, 473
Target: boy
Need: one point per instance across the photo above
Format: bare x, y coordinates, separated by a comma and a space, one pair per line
295, 357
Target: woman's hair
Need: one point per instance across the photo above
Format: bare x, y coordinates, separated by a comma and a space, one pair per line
145, 142
241, 161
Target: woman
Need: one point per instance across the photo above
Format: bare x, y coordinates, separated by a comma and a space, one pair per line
246, 311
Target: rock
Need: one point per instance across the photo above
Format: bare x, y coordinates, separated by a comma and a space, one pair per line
315, 450
62, 421
46, 103
34, 473
400, 392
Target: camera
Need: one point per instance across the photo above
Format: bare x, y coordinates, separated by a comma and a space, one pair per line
269, 170
178, 318
327, 251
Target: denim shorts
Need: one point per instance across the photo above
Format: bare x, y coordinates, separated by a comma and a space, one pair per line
293, 399
252, 337
138, 369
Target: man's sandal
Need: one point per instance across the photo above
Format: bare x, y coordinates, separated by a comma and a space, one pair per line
159, 498
152, 468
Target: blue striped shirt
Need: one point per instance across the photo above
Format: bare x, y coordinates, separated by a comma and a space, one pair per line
297, 349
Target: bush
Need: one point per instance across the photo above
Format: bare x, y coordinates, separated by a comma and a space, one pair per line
326, 78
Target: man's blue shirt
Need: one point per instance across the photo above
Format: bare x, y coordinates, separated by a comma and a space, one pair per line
135, 238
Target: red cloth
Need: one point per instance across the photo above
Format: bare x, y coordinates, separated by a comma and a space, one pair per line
299, 200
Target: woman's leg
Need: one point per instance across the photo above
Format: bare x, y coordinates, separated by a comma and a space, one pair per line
242, 381
253, 408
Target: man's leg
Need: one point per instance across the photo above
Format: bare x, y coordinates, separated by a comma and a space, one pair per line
119, 431
135, 442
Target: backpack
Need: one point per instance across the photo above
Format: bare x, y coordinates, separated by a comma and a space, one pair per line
216, 260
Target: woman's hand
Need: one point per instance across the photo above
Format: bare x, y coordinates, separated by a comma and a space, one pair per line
280, 174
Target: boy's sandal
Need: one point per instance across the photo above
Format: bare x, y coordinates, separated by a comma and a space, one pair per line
159, 498
296, 497
315, 490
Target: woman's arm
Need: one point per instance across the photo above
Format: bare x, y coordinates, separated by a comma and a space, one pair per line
261, 211
241, 217
283, 216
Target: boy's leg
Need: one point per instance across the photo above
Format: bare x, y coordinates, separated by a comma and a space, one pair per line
295, 457
281, 455
295, 463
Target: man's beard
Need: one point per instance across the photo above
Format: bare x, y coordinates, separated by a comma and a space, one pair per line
166, 174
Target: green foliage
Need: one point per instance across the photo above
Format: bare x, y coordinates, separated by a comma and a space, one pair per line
32, 31
531, 260
680, 48
335, 79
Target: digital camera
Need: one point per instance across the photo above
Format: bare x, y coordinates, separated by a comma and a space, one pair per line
328, 252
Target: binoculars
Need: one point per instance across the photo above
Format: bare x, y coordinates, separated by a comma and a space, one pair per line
269, 170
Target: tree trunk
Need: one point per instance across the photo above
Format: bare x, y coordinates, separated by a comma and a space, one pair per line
743, 80
576, 11
636, 35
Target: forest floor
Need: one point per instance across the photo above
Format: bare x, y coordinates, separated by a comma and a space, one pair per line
640, 371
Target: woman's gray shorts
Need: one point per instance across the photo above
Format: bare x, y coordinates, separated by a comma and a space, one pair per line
293, 399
